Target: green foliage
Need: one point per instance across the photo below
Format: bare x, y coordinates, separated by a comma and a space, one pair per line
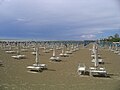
114, 40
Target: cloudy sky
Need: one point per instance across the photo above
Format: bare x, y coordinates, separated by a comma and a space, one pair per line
59, 19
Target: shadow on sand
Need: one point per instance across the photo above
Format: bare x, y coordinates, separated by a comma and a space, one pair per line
50, 69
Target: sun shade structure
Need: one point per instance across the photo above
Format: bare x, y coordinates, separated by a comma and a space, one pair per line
54, 57
46, 50
19, 56
63, 53
9, 50
81, 69
37, 66
96, 70
95, 55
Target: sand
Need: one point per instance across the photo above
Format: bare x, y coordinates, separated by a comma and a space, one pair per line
60, 75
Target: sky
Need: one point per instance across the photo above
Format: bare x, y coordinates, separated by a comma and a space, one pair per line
59, 19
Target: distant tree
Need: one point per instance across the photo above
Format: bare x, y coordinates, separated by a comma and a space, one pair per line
116, 35
110, 37
114, 38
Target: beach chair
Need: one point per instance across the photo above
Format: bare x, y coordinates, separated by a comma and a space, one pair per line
19, 57
99, 72
10, 52
81, 69
37, 67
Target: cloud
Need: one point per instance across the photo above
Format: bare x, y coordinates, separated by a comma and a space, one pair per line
70, 19
20, 19
23, 21
3, 1
89, 36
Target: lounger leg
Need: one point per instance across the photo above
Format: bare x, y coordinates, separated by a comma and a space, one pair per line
90, 73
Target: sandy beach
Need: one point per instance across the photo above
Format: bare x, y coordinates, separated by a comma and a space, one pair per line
60, 75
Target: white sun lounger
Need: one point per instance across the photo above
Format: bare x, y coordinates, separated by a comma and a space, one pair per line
35, 68
10, 52
19, 56
94, 56
97, 72
99, 61
81, 69
64, 55
55, 58
43, 66
116, 52
69, 52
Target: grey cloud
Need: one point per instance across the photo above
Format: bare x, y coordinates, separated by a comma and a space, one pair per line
82, 18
